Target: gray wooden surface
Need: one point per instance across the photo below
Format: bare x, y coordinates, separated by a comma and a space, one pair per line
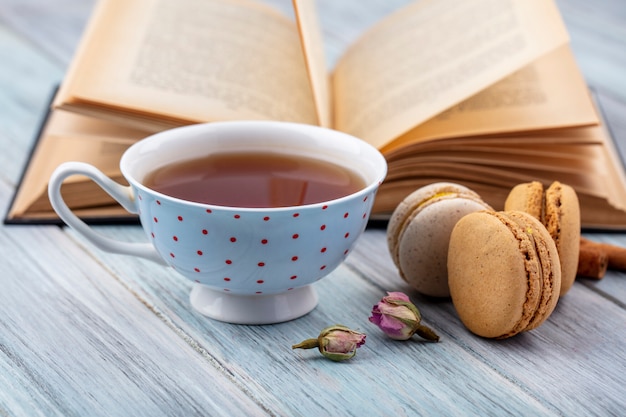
84, 333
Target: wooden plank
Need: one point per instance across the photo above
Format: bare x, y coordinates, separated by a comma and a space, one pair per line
568, 362
536, 363
54, 27
598, 37
385, 378
76, 341
26, 82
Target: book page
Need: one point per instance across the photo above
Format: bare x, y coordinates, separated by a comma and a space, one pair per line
582, 157
192, 60
505, 161
549, 93
313, 48
433, 54
612, 166
71, 137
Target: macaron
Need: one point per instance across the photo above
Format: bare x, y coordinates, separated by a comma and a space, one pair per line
557, 207
419, 230
504, 273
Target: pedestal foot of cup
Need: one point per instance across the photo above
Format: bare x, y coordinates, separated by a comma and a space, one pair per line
253, 309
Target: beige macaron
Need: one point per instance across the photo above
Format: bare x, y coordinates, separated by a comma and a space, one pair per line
504, 273
419, 231
557, 207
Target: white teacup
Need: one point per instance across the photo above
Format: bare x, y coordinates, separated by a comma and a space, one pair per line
249, 265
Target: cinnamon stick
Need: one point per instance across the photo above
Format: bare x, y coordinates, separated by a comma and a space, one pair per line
616, 254
592, 261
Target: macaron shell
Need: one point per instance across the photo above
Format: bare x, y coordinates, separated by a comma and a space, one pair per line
558, 209
562, 219
422, 249
405, 211
494, 274
526, 197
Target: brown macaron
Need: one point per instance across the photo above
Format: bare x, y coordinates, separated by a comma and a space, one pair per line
419, 231
504, 273
558, 209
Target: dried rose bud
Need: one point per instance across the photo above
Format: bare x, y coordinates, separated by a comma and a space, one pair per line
336, 342
399, 318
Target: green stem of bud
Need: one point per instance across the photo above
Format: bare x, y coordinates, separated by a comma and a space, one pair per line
307, 344
427, 333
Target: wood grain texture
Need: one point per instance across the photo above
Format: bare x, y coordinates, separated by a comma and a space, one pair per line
84, 332
74, 341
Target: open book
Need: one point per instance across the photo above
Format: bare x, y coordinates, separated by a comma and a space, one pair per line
485, 93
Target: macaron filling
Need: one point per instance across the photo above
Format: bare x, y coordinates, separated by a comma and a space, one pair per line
548, 264
557, 208
552, 211
534, 271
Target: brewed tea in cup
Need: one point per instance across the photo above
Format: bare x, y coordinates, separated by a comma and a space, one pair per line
255, 179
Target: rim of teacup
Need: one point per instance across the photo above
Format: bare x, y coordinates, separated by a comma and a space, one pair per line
161, 137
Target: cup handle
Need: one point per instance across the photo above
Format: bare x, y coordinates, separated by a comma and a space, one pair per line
122, 194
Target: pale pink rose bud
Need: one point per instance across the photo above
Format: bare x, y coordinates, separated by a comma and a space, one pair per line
336, 342
399, 318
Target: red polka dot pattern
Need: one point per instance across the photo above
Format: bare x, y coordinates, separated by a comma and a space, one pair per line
250, 252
